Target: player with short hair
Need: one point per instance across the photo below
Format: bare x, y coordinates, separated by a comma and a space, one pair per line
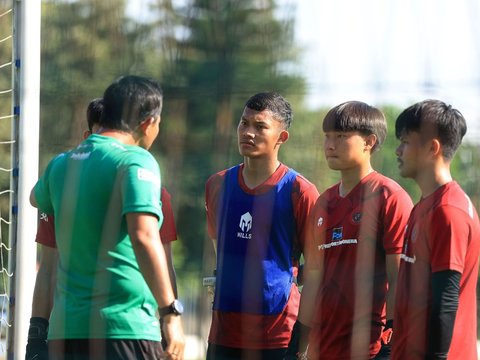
436, 306
256, 214
357, 227
112, 271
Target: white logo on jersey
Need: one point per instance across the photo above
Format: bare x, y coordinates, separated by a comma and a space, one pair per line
246, 222
147, 175
44, 217
408, 259
245, 225
80, 156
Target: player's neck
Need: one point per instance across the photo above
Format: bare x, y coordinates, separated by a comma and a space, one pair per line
429, 181
351, 177
122, 136
257, 171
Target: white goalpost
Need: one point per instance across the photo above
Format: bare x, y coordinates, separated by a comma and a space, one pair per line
25, 133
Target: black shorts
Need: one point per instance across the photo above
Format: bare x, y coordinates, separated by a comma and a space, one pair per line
104, 349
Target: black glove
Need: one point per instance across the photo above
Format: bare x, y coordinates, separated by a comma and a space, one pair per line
37, 348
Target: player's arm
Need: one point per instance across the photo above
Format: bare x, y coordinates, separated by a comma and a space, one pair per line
44, 285
168, 233
312, 279
42, 303
397, 212
143, 231
214, 244
312, 270
445, 289
392, 264
167, 247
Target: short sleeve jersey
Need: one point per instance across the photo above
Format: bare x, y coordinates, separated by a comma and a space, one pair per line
259, 331
168, 231
351, 237
100, 290
443, 233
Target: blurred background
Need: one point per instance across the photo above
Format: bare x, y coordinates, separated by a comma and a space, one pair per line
211, 55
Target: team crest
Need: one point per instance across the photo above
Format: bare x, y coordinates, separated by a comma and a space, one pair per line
356, 217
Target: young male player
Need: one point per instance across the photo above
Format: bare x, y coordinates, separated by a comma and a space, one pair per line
46, 276
358, 226
112, 271
436, 307
256, 214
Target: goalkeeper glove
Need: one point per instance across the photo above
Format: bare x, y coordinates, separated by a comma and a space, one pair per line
37, 348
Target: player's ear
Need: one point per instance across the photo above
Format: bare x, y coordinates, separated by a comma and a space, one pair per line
283, 137
147, 123
86, 134
370, 141
435, 147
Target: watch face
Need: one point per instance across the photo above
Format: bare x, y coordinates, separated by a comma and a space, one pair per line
177, 307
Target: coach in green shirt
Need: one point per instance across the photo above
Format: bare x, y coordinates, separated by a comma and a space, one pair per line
112, 273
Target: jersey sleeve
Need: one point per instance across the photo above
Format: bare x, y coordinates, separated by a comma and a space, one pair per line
46, 231
316, 233
42, 188
304, 196
397, 211
168, 231
141, 187
448, 239
212, 192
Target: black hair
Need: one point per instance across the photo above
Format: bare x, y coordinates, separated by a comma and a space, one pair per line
435, 119
357, 116
129, 100
273, 102
94, 112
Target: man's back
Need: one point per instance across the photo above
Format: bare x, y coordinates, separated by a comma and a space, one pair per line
101, 292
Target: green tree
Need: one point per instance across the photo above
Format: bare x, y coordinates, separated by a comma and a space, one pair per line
85, 45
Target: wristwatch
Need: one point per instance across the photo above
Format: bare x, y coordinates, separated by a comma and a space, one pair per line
175, 307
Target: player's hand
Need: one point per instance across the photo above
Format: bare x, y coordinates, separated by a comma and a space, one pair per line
174, 337
211, 293
37, 348
386, 339
298, 345
209, 282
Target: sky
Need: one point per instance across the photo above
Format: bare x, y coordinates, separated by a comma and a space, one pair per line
392, 52
387, 52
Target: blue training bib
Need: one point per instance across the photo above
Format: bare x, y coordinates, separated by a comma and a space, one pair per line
254, 250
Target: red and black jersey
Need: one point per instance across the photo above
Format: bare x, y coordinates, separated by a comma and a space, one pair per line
443, 233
